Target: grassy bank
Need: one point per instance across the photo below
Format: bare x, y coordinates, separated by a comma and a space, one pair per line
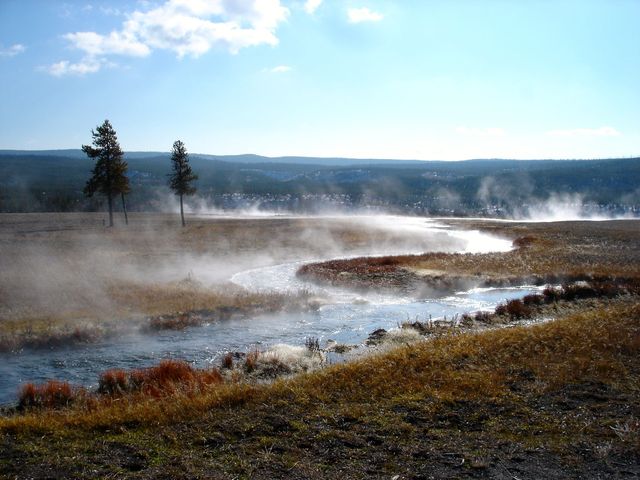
542, 253
559, 399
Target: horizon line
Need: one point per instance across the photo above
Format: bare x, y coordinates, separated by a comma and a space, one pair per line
630, 157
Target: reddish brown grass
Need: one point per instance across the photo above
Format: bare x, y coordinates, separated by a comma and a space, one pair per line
113, 382
527, 241
227, 361
52, 394
518, 309
165, 378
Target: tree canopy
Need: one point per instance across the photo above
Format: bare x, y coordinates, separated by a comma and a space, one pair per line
108, 175
182, 176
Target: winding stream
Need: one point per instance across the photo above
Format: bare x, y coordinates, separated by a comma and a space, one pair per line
344, 316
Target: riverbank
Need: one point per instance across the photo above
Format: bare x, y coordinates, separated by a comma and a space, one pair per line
543, 253
557, 400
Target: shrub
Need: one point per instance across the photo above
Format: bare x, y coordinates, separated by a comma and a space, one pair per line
484, 317
113, 381
227, 361
178, 321
552, 294
251, 361
52, 394
517, 309
164, 378
501, 309
533, 299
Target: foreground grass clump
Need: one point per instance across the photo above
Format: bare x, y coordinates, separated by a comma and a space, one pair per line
168, 377
52, 394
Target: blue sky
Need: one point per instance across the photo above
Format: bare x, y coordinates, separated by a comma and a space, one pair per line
409, 79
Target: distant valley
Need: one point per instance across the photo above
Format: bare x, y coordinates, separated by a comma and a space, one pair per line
32, 181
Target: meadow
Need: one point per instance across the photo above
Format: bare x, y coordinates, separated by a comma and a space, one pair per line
558, 399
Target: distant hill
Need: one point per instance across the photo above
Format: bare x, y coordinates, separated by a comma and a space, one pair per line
245, 158
54, 179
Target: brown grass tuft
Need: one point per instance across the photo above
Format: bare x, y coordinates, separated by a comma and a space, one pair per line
227, 361
165, 378
52, 394
251, 360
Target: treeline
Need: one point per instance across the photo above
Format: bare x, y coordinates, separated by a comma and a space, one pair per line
33, 182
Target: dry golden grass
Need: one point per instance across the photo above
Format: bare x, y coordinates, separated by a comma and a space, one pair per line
543, 252
556, 399
597, 345
157, 299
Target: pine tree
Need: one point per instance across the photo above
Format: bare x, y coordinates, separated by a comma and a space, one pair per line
182, 176
108, 175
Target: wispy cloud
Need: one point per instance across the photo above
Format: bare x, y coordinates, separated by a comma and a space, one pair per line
62, 68
310, 6
280, 69
103, 9
185, 27
585, 132
12, 51
481, 132
359, 15
83, 67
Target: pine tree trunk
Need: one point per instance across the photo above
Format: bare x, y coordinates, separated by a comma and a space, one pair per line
182, 211
110, 200
124, 209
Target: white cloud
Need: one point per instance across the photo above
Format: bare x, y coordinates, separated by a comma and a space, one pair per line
185, 27
310, 6
121, 43
481, 132
64, 68
359, 15
12, 51
585, 132
280, 69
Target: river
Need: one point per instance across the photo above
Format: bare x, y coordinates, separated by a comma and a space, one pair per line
345, 317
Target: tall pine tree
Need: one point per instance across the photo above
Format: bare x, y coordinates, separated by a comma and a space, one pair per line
182, 176
108, 175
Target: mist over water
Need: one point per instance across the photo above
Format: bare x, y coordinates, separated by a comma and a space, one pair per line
344, 316
561, 208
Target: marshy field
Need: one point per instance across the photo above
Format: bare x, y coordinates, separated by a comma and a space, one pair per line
354, 346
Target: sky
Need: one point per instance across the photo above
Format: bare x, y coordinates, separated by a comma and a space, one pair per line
405, 79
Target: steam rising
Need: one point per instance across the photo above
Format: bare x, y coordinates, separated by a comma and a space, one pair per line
559, 208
